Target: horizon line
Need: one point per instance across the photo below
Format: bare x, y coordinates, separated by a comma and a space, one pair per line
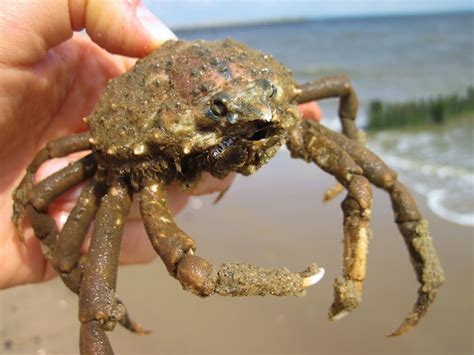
300, 19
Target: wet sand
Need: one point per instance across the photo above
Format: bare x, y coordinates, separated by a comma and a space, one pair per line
274, 218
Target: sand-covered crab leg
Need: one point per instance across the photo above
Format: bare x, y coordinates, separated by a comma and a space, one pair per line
335, 87
54, 149
309, 144
176, 249
411, 225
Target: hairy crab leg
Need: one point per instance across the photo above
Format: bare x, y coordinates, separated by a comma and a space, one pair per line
195, 274
309, 144
99, 308
54, 149
336, 86
411, 225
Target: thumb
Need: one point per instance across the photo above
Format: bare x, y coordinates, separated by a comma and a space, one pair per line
123, 27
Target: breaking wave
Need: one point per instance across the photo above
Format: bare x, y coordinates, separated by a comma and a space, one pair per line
436, 164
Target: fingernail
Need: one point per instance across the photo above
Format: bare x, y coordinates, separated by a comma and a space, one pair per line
158, 31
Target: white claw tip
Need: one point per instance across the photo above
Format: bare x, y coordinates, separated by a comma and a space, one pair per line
313, 279
340, 315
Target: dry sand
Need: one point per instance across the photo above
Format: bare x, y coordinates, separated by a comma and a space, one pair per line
274, 218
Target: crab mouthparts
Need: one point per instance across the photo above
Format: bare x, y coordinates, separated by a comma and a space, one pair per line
257, 130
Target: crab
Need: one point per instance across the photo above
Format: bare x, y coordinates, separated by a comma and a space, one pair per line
216, 107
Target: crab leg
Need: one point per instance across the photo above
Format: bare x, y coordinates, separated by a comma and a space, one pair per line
309, 144
195, 274
44, 228
99, 309
67, 253
411, 225
64, 251
73, 279
56, 148
336, 86
43, 225
54, 185
93, 340
68, 247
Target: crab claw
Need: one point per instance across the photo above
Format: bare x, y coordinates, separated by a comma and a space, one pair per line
309, 278
239, 279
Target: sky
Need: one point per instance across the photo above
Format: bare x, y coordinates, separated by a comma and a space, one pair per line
188, 13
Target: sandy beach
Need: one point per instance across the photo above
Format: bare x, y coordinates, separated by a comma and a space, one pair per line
274, 219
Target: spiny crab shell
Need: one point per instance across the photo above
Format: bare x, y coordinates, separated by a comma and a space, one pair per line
161, 108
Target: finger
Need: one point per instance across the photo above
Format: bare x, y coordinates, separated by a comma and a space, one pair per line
121, 26
28, 29
136, 247
311, 111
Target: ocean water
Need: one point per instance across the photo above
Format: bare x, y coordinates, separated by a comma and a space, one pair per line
393, 59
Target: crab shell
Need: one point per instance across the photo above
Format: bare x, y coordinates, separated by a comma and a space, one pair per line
157, 119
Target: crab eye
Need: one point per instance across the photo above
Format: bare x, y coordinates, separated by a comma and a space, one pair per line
274, 91
268, 87
218, 106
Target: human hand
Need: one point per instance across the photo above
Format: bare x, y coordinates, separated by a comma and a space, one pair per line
49, 79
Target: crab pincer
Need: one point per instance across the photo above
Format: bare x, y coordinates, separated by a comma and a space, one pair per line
241, 279
177, 250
